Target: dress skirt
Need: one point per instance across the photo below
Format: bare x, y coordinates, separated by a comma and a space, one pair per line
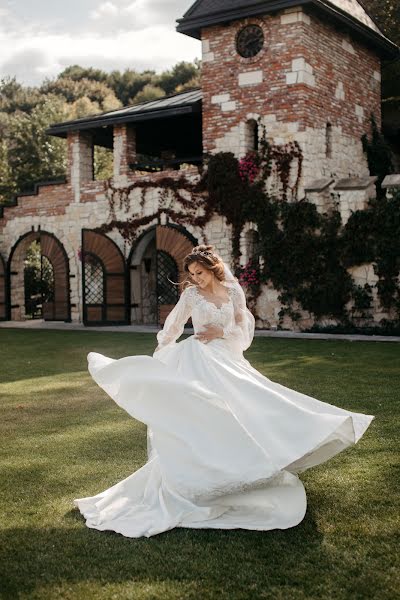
226, 444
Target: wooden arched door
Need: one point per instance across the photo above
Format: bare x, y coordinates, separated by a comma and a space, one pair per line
3, 291
54, 297
104, 281
173, 245
57, 307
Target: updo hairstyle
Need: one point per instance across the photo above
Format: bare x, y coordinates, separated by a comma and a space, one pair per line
208, 258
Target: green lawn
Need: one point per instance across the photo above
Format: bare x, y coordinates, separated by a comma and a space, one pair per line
62, 438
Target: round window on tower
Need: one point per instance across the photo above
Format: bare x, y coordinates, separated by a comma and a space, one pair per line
250, 41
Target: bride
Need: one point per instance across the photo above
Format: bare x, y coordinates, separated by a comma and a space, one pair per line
225, 443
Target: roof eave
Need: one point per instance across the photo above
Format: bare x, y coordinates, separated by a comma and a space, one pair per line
192, 26
61, 129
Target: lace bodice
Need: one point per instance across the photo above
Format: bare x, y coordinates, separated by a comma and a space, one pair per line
206, 312
232, 316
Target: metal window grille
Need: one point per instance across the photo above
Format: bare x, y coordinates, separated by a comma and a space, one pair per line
167, 272
47, 280
94, 281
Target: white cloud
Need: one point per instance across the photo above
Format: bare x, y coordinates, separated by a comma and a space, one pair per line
118, 34
28, 63
123, 15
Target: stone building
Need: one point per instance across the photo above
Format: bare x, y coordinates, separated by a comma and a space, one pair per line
308, 71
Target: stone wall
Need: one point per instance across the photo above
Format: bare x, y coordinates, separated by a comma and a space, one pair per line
55, 211
59, 210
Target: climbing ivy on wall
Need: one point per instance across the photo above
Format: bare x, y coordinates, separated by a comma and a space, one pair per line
175, 192
379, 155
373, 235
306, 254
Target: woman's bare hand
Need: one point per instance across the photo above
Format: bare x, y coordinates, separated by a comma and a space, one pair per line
209, 333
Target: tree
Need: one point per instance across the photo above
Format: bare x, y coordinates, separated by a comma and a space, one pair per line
33, 155
14, 96
103, 163
72, 90
128, 84
386, 14
149, 92
77, 73
29, 155
7, 184
178, 76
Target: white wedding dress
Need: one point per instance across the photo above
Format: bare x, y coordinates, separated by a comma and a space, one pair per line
225, 443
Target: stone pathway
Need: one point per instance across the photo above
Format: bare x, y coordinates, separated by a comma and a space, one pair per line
38, 324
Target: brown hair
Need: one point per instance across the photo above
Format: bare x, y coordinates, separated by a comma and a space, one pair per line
208, 258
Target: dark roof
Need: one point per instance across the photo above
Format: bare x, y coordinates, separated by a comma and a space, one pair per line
170, 106
204, 13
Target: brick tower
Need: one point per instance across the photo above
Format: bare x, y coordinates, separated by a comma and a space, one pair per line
310, 71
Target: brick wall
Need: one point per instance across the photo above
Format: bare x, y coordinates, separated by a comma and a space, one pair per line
309, 74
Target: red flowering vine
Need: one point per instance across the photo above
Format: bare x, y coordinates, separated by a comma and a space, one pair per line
249, 275
249, 167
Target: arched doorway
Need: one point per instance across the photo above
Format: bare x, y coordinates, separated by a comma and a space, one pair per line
104, 281
3, 292
155, 265
53, 290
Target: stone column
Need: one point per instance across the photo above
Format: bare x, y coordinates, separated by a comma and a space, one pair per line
80, 160
124, 149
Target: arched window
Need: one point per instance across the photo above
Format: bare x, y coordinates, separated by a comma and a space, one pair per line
251, 136
253, 246
328, 141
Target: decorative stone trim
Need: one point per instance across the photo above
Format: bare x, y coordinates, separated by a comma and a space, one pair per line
219, 99
391, 183
340, 93
359, 112
224, 100
228, 106
250, 78
294, 15
356, 183
205, 46
346, 45
207, 54
319, 185
208, 57
302, 72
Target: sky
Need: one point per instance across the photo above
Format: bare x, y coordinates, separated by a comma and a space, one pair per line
39, 38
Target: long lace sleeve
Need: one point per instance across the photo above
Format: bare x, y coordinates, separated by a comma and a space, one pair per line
176, 320
241, 330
